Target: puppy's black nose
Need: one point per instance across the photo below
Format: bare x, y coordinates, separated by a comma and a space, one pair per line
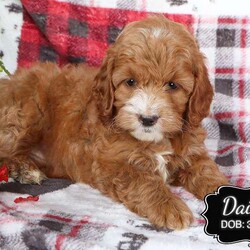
148, 120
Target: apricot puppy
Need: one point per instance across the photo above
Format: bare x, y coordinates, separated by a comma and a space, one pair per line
129, 129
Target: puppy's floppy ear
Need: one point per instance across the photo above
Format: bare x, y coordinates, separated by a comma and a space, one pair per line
104, 89
201, 98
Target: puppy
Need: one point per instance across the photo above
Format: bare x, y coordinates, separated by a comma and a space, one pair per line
129, 129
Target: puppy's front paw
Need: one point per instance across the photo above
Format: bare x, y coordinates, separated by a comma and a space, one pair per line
202, 179
173, 214
207, 185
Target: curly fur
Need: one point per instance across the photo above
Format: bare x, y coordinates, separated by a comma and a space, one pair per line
86, 124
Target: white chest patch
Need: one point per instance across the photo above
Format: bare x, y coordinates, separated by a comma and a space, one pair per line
161, 166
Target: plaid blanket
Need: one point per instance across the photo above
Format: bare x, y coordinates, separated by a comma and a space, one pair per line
74, 216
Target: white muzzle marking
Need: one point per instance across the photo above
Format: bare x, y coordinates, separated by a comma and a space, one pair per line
145, 104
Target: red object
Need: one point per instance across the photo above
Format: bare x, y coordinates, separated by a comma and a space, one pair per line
29, 198
4, 173
63, 32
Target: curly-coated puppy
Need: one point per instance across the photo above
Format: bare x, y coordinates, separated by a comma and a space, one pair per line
129, 129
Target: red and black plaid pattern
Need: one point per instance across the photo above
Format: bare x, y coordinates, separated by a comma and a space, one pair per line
225, 40
50, 230
64, 32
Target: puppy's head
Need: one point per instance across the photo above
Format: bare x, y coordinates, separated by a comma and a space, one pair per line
153, 81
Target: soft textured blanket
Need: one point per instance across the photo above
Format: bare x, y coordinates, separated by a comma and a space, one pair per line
74, 216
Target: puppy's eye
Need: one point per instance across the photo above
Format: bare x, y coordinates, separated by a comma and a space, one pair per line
131, 82
171, 85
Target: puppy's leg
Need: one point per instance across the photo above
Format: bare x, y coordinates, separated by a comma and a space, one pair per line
22, 117
16, 141
201, 177
143, 193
